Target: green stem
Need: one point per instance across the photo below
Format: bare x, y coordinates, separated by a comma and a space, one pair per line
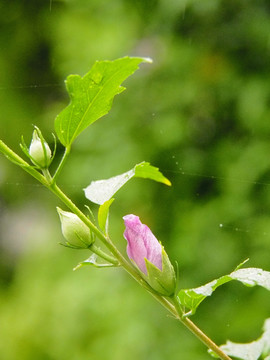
116, 253
13, 157
198, 332
172, 305
62, 163
174, 308
95, 249
205, 339
47, 176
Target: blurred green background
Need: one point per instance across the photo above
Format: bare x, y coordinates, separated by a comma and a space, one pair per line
200, 112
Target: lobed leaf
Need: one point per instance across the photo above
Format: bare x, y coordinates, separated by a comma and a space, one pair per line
91, 96
192, 298
101, 191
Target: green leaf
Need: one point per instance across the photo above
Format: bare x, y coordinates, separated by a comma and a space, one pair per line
103, 214
101, 191
252, 277
147, 171
252, 350
91, 96
192, 298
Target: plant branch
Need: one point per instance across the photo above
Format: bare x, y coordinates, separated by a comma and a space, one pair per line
174, 308
171, 305
15, 158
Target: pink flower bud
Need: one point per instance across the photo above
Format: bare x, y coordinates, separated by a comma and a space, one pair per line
142, 244
149, 255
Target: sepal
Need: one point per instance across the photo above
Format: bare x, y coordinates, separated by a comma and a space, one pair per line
39, 150
163, 281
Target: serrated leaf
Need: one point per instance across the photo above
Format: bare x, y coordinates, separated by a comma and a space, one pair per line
103, 213
101, 191
192, 298
250, 351
91, 96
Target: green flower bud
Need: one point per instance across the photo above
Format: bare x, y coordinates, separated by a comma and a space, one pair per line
76, 233
40, 151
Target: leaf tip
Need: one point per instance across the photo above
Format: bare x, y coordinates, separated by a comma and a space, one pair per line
148, 60
241, 264
167, 182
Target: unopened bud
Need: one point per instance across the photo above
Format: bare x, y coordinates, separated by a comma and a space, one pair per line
76, 233
149, 256
40, 151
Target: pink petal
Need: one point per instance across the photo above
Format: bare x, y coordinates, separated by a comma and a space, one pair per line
141, 243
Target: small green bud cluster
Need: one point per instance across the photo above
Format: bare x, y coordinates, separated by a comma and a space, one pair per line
75, 231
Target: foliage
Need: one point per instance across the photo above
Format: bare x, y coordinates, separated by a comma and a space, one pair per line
101, 191
92, 96
153, 269
192, 298
201, 116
